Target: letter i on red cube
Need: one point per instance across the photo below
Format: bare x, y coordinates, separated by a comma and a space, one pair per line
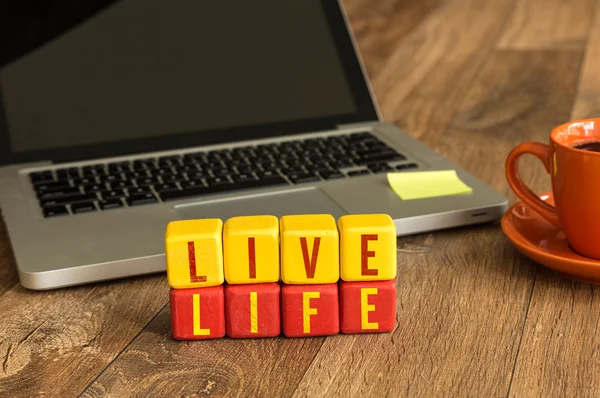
310, 310
368, 307
253, 310
198, 314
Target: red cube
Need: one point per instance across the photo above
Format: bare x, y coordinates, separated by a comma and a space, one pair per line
368, 307
252, 310
198, 314
310, 310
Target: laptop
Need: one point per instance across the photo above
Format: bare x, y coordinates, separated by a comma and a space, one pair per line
150, 111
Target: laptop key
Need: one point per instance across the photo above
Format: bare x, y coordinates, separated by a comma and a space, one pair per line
243, 177
57, 193
110, 204
68, 199
138, 191
141, 199
267, 174
331, 174
199, 191
218, 181
93, 188
299, 178
145, 182
407, 166
84, 207
112, 194
379, 157
379, 167
54, 211
356, 173
119, 185
41, 176
52, 186
160, 188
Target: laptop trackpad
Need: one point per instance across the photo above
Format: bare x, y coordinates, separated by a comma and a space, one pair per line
302, 201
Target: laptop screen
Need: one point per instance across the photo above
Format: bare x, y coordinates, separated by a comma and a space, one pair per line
144, 75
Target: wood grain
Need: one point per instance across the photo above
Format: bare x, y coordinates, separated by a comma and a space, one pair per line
156, 365
8, 271
55, 343
462, 298
426, 77
470, 78
380, 27
548, 24
559, 354
587, 103
518, 96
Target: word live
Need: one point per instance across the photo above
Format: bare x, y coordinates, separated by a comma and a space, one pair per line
308, 254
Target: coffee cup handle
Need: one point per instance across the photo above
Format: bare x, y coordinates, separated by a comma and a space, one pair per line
543, 153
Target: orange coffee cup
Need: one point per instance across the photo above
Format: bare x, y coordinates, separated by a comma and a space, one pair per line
575, 177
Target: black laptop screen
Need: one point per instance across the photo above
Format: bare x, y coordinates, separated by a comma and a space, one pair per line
150, 74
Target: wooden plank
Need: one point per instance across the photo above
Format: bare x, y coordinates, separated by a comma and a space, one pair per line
587, 103
155, 364
559, 353
461, 304
519, 96
548, 24
424, 80
462, 295
8, 270
381, 26
57, 342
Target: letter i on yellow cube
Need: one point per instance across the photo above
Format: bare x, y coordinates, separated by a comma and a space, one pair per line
194, 252
309, 249
251, 249
367, 247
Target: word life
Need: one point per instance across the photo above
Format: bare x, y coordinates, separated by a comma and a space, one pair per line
281, 276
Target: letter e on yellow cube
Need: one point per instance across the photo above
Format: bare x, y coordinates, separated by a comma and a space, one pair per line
309, 249
194, 253
251, 249
367, 247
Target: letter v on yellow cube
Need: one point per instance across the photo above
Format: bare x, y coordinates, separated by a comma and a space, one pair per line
309, 249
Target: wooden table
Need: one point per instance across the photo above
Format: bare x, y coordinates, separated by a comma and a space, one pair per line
470, 78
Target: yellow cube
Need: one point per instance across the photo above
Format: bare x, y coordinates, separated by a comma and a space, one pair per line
309, 249
194, 252
367, 247
251, 249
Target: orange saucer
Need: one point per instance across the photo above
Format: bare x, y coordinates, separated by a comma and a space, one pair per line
545, 244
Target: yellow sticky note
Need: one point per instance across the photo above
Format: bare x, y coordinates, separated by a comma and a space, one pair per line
194, 252
427, 184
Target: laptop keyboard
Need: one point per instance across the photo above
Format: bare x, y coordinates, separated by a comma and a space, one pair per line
107, 186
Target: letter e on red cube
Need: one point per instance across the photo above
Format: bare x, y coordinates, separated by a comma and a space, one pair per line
368, 307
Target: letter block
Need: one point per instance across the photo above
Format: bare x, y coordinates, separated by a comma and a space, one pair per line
367, 307
367, 247
198, 314
251, 249
253, 311
310, 310
194, 252
309, 249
